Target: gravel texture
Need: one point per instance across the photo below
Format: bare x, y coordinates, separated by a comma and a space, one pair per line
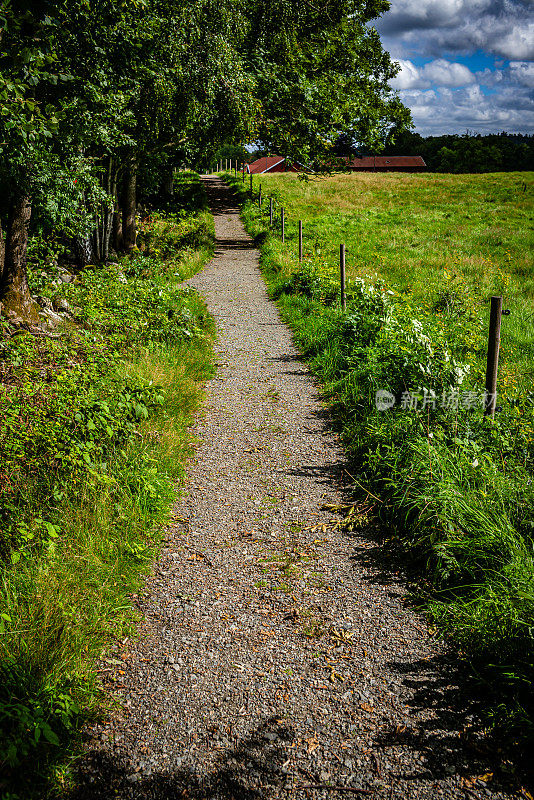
277, 657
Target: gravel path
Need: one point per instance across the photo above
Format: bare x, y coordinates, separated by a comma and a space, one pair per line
277, 658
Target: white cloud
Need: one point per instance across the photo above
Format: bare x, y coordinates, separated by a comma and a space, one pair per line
422, 105
445, 73
409, 77
448, 110
405, 15
522, 72
445, 96
439, 72
490, 77
517, 43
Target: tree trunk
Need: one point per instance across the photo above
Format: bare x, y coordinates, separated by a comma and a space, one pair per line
16, 298
168, 184
111, 189
82, 248
117, 226
129, 231
2, 256
96, 237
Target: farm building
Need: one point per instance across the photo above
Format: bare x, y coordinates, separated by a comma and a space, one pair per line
274, 164
386, 164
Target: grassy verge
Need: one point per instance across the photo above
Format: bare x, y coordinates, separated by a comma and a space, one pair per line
455, 489
93, 441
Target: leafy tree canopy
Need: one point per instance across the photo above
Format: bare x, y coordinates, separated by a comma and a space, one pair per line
94, 93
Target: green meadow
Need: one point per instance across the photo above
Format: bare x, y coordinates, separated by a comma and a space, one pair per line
426, 233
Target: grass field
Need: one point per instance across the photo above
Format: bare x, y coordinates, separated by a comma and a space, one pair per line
451, 487
423, 233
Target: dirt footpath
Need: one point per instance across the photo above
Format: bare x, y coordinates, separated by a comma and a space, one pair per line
277, 658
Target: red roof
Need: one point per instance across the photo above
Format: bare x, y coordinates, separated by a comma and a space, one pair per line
264, 164
386, 162
275, 164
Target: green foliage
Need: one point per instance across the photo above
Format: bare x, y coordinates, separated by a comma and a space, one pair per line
454, 487
468, 153
93, 437
171, 82
320, 70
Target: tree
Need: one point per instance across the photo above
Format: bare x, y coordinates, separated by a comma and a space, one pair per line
95, 94
321, 71
27, 63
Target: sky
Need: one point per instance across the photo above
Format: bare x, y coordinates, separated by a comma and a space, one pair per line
465, 64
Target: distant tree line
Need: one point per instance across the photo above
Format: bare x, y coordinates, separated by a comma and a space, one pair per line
493, 152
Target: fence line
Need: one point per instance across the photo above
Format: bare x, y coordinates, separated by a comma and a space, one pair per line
496, 311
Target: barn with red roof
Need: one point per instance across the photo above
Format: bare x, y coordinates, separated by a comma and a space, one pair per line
274, 164
386, 164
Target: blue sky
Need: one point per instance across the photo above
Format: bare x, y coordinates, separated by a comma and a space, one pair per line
465, 64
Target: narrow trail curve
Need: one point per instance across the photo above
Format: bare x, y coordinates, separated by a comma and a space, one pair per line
277, 659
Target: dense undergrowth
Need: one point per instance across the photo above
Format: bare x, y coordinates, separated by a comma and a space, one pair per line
454, 488
93, 438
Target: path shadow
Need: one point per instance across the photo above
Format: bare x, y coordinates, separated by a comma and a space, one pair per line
331, 474
222, 198
222, 245
294, 359
446, 697
454, 741
252, 770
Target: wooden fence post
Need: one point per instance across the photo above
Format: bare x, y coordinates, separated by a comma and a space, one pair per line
492, 366
342, 275
271, 212
283, 223
300, 241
